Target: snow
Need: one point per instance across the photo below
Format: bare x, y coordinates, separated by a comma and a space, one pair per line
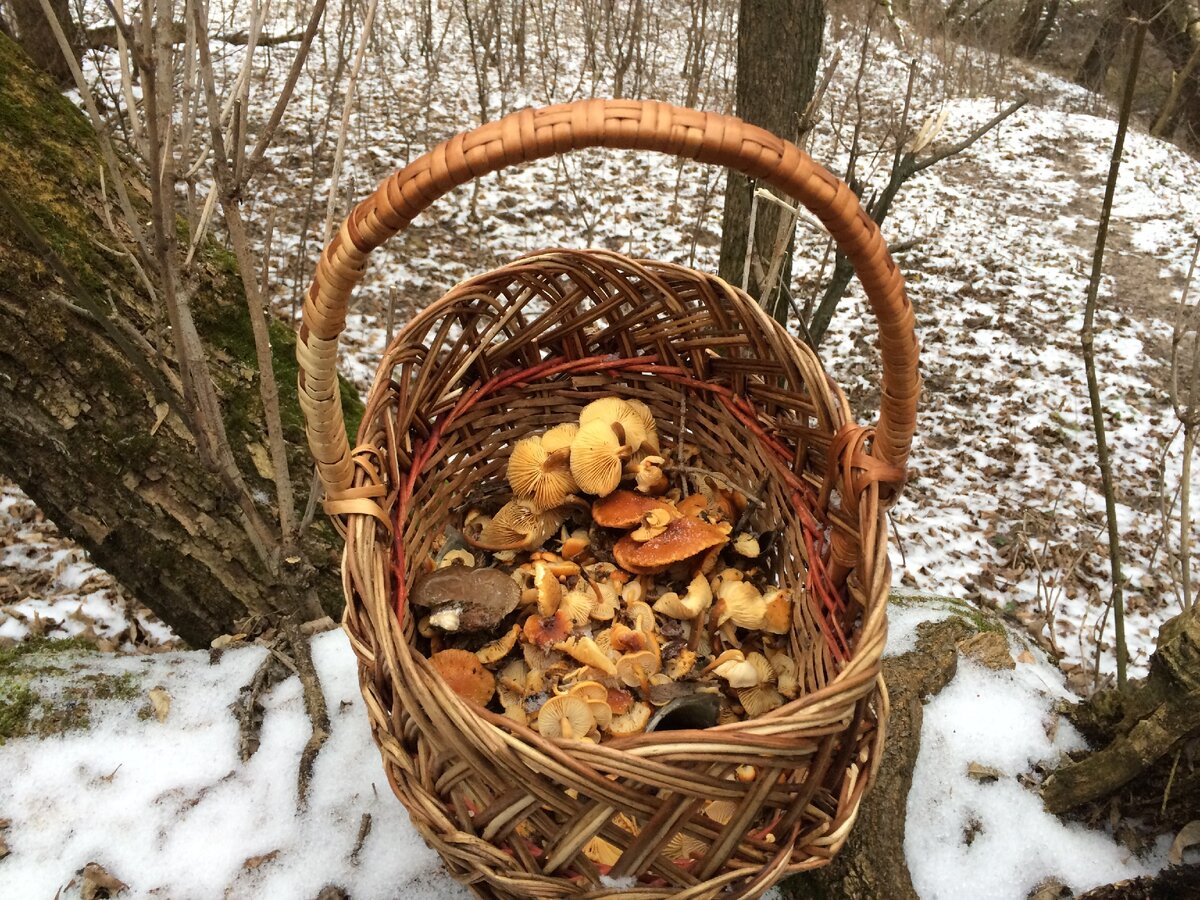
992, 840
49, 587
189, 814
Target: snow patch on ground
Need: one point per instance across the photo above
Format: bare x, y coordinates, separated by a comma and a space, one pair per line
190, 817
49, 586
991, 839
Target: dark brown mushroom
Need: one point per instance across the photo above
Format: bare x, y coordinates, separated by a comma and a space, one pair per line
466, 599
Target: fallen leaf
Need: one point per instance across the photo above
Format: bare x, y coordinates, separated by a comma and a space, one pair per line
983, 773
1026, 657
3, 847
1189, 835
255, 861
162, 702
98, 883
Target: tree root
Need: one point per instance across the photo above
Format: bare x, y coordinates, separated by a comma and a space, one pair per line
289, 654
248, 708
1144, 731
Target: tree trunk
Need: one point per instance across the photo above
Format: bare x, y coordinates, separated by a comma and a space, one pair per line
1170, 26
38, 39
1094, 72
1034, 26
779, 47
85, 426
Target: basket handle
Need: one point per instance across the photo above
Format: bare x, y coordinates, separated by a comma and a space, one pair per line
536, 133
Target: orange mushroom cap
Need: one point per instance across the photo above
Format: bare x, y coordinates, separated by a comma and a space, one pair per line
625, 509
465, 675
683, 538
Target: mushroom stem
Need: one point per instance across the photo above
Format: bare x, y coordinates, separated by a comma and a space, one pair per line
565, 724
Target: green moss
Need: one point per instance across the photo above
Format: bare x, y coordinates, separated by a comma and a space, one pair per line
17, 700
26, 710
979, 619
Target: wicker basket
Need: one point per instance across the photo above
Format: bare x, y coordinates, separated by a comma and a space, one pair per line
525, 347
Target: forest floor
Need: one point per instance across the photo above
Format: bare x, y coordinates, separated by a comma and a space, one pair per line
1003, 507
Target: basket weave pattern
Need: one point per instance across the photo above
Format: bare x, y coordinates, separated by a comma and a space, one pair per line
525, 347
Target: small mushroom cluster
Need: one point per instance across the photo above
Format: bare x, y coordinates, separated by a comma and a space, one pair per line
646, 609
614, 439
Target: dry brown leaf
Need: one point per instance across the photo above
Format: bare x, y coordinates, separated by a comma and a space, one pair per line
1189, 836
161, 701
262, 461
983, 773
98, 883
255, 861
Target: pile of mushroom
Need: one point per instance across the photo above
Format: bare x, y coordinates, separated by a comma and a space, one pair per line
643, 609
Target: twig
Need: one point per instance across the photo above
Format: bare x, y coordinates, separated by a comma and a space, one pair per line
347, 105
285, 96
717, 476
1089, 358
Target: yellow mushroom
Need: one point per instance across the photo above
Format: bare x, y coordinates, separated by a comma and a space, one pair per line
648, 475
574, 545
578, 605
518, 525
692, 604
760, 699
635, 669
684, 846
617, 415
632, 722
457, 558
786, 673
740, 603
777, 614
566, 717
496, 650
607, 600
653, 524
559, 437
745, 544
596, 459
646, 418
545, 478
549, 591
586, 651
601, 852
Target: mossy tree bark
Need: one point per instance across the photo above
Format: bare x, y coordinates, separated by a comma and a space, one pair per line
88, 425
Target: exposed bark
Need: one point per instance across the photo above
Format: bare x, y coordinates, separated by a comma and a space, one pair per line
38, 40
87, 426
1144, 767
779, 48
